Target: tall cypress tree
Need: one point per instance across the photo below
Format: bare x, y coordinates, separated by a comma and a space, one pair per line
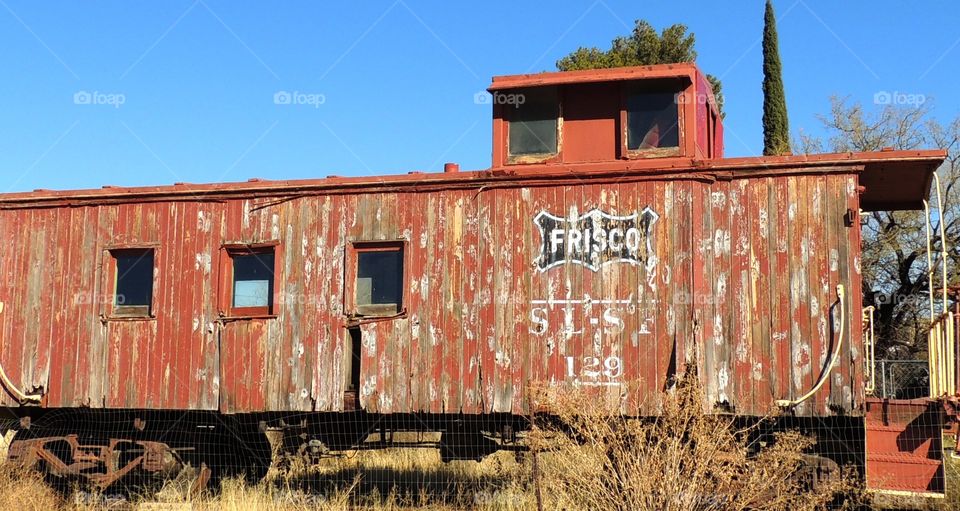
776, 129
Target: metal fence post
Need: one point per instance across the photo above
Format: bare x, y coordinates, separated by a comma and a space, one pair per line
883, 374
903, 379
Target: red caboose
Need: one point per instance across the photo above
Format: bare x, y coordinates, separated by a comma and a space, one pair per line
609, 247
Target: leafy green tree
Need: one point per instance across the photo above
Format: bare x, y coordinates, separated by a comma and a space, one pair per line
776, 129
643, 47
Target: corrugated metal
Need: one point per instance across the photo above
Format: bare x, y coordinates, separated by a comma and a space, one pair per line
741, 287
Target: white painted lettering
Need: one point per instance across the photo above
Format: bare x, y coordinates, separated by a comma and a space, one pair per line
538, 316
617, 233
573, 239
633, 240
556, 239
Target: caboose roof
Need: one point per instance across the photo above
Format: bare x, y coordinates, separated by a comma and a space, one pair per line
893, 179
683, 70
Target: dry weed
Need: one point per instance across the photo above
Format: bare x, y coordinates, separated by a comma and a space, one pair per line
588, 458
25, 490
685, 459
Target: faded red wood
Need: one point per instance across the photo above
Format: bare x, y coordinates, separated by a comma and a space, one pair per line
780, 291
752, 258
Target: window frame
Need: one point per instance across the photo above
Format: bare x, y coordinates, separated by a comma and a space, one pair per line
653, 152
225, 301
711, 132
351, 270
533, 157
109, 309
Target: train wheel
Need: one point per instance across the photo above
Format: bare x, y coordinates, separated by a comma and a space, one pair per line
234, 450
123, 465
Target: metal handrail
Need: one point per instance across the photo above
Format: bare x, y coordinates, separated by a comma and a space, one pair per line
941, 338
942, 345
869, 345
787, 403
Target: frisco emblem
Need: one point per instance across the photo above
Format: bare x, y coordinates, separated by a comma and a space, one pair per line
595, 238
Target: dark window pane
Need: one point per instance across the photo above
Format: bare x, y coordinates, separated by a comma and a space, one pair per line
533, 123
652, 120
134, 278
379, 280
253, 280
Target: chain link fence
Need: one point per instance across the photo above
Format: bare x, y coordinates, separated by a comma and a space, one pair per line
902, 379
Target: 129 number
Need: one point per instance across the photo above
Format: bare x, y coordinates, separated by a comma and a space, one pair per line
592, 368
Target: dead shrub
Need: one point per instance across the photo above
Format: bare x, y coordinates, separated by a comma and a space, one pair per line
593, 457
25, 490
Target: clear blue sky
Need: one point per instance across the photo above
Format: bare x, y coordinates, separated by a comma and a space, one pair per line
397, 78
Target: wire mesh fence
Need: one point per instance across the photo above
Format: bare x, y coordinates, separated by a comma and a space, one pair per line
583, 454
902, 379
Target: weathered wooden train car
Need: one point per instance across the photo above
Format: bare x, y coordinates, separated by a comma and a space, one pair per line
610, 247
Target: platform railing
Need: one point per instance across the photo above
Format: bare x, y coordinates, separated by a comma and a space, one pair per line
942, 349
869, 348
941, 340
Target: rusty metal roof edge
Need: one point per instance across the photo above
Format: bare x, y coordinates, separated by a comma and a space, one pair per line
678, 70
519, 174
781, 170
867, 158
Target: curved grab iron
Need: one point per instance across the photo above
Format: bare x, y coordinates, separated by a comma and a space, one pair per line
788, 403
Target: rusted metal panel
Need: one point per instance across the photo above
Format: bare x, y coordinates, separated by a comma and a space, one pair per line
895, 167
904, 449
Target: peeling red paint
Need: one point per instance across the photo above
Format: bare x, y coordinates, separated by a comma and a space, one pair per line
737, 280
745, 273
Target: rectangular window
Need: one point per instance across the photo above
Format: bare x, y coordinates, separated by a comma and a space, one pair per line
378, 288
533, 119
133, 286
652, 121
252, 283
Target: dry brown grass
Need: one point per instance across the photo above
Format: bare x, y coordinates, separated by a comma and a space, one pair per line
415, 478
686, 460
25, 490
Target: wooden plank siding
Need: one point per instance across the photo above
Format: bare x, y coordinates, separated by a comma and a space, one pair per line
740, 285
